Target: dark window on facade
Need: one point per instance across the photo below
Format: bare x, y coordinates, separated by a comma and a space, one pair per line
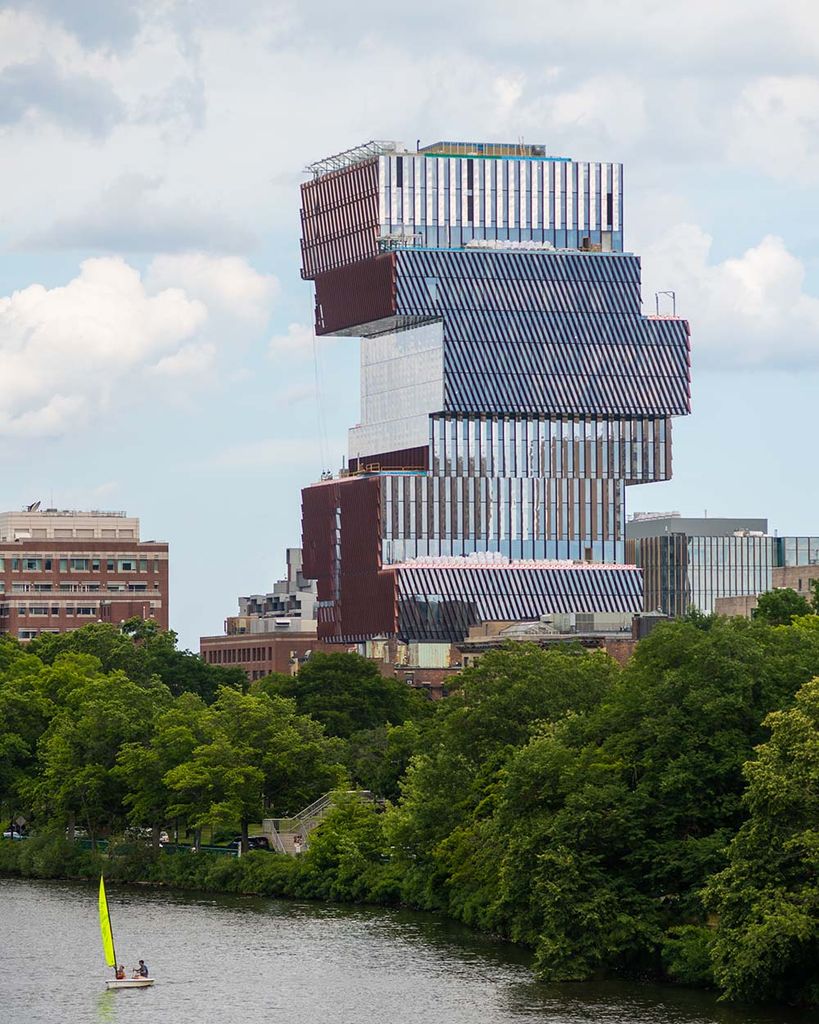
399, 172
610, 209
470, 208
109, 565
470, 173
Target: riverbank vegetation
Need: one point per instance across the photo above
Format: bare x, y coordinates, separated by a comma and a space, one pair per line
657, 820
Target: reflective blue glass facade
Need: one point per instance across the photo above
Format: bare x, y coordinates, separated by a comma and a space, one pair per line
511, 388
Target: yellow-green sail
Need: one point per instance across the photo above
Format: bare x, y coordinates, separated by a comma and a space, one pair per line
105, 928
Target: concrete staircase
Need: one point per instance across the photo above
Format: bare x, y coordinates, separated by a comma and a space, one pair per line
291, 836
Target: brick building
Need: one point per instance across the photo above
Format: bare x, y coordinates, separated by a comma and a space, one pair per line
261, 654
61, 569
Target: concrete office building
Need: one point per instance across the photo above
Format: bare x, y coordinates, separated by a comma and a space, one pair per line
61, 569
273, 632
511, 389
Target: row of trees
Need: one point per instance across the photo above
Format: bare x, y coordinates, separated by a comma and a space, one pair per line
102, 728
659, 819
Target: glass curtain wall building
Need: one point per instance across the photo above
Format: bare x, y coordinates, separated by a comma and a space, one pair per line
692, 563
511, 388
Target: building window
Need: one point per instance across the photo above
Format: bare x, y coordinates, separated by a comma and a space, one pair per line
127, 565
47, 564
63, 565
95, 565
143, 565
79, 565
15, 565
109, 565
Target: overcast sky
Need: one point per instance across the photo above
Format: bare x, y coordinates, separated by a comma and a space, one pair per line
156, 353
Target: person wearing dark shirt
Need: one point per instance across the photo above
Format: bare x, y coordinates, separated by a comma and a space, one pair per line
143, 969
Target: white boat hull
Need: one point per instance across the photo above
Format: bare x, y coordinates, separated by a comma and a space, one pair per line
130, 983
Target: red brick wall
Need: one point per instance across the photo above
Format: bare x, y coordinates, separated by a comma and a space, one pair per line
61, 610
366, 603
259, 654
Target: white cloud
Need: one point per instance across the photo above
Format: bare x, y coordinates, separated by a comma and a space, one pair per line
749, 311
67, 354
63, 349
189, 361
227, 283
775, 125
136, 213
297, 343
606, 107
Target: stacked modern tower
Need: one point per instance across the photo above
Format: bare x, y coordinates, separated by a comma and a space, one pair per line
511, 388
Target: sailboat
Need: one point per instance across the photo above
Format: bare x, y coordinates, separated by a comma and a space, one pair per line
108, 947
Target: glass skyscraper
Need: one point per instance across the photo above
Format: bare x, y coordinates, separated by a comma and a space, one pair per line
511, 388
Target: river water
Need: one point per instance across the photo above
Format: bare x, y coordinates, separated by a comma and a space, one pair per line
229, 960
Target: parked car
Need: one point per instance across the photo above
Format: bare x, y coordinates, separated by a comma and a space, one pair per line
13, 833
253, 842
145, 833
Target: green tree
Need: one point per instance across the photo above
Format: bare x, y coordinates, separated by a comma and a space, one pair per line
97, 714
377, 759
25, 711
615, 819
258, 754
347, 858
767, 899
347, 694
143, 767
452, 784
141, 650
780, 607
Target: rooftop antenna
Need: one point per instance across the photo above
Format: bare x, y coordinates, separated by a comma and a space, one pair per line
672, 295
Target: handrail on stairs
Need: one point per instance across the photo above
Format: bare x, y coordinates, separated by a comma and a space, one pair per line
306, 820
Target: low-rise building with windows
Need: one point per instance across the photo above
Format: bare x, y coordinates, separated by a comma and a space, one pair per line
61, 569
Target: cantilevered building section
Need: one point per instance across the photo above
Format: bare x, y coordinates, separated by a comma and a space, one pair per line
510, 387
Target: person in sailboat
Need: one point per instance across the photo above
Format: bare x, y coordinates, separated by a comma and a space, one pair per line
121, 972
142, 970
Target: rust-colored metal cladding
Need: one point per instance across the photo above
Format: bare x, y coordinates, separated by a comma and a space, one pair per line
359, 293
341, 539
339, 218
404, 458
